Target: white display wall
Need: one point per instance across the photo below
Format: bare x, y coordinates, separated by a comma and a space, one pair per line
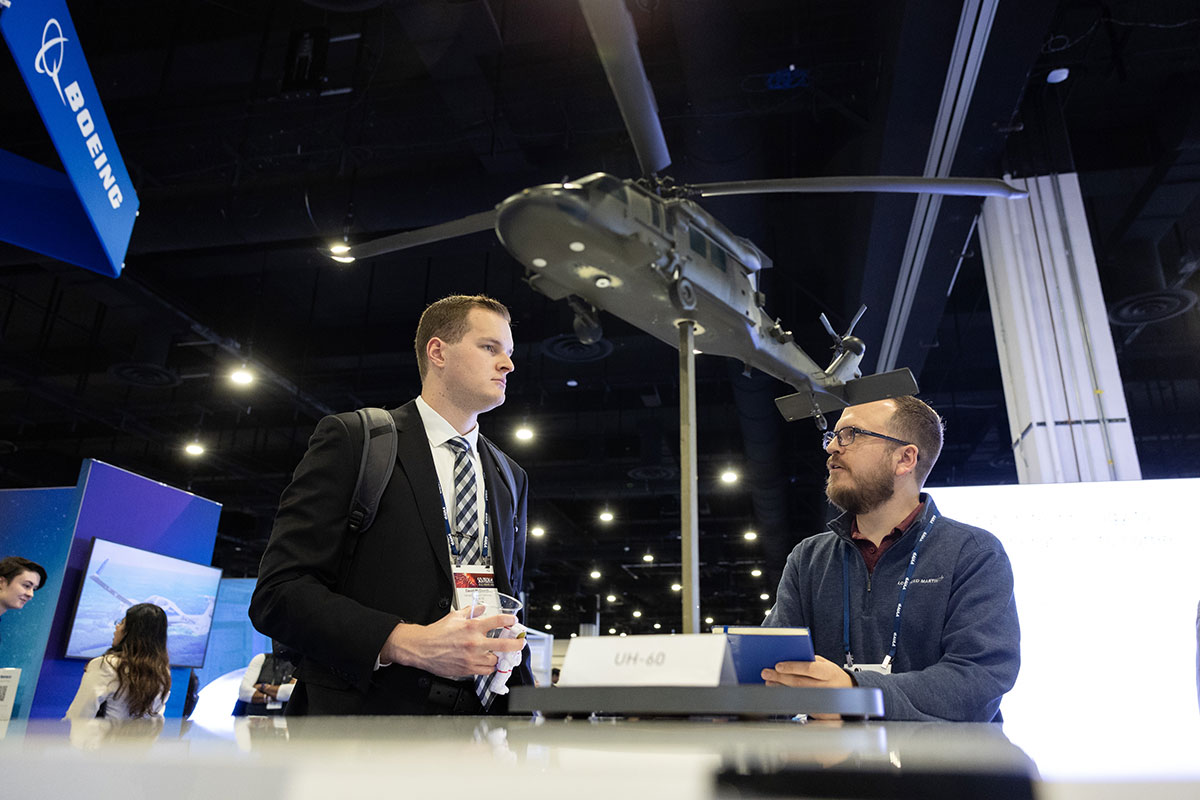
1107, 587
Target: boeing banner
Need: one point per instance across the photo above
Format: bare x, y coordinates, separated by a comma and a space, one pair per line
86, 216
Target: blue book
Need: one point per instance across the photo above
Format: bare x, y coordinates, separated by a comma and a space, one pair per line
755, 649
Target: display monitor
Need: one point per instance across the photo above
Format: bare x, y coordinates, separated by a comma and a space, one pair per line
118, 576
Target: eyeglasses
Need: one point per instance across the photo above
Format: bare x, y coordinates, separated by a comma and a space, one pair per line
845, 437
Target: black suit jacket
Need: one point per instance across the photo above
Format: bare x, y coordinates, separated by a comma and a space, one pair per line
400, 571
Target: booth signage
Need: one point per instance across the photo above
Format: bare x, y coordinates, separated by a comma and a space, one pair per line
47, 52
697, 659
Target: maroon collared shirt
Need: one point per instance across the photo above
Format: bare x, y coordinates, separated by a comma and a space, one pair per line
872, 552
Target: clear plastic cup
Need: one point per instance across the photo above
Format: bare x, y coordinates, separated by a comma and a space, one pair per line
508, 605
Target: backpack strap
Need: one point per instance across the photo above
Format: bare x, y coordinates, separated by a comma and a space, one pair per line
374, 472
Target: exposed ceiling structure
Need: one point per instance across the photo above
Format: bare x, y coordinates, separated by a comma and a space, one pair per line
259, 132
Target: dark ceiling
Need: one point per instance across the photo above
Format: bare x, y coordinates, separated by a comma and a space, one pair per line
249, 156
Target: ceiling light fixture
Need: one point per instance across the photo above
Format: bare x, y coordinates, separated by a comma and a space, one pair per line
524, 433
606, 516
675, 587
557, 607
637, 613
648, 558
194, 448
708, 620
537, 531
749, 536
612, 598
764, 596
242, 376
729, 476
756, 573
595, 574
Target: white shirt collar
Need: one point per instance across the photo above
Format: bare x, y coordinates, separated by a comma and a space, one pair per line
439, 431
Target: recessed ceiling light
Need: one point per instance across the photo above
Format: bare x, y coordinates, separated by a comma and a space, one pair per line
622, 634
648, 558
595, 573
538, 531
557, 607
548, 626
708, 620
637, 613
750, 536
612, 630
764, 596
606, 516
612, 598
729, 476
757, 573
675, 587
572, 383
524, 433
657, 626
194, 449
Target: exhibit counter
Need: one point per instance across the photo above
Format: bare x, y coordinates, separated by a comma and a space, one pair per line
581, 758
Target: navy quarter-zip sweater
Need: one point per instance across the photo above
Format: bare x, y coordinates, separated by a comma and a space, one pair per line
959, 646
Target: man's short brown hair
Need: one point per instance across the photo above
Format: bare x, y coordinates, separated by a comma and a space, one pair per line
446, 319
914, 421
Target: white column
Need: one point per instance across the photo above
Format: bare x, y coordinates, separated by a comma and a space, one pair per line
1067, 414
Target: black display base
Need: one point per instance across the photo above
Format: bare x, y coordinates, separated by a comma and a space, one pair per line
692, 701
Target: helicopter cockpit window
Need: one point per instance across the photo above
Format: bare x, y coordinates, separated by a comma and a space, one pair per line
698, 242
717, 254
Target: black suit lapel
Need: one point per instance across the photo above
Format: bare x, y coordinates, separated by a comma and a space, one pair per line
415, 462
500, 511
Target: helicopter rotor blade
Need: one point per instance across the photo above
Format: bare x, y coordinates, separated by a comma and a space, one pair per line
475, 223
897, 184
616, 43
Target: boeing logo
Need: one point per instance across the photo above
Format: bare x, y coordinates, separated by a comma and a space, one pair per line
49, 62
52, 44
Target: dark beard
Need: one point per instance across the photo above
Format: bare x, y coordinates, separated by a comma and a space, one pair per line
868, 492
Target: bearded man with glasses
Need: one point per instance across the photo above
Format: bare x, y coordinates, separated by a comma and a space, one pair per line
896, 596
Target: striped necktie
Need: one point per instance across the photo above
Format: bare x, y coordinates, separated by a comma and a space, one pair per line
466, 502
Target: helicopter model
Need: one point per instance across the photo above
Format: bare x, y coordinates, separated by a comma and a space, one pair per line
643, 250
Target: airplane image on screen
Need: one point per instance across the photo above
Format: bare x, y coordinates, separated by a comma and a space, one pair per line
177, 619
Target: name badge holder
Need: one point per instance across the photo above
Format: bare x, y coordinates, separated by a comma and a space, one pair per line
885, 667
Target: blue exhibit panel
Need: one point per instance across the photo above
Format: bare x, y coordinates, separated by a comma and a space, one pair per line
37, 524
128, 509
99, 210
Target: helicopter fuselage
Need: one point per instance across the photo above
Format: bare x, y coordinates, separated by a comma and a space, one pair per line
655, 262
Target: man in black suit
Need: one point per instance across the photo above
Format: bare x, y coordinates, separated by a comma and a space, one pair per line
379, 633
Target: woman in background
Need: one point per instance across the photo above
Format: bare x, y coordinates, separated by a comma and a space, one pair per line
132, 679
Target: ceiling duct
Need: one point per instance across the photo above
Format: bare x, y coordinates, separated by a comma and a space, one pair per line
1138, 280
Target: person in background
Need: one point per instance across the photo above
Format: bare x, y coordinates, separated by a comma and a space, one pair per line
896, 596
267, 683
19, 579
133, 678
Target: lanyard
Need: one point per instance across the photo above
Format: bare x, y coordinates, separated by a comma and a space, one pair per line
912, 565
450, 537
